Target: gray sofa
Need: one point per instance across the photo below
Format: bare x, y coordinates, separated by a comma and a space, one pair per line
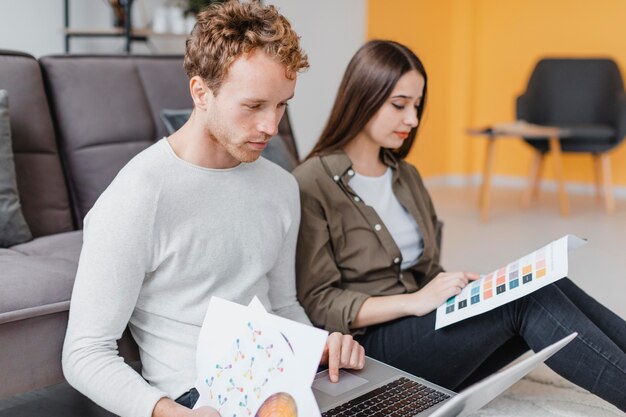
75, 121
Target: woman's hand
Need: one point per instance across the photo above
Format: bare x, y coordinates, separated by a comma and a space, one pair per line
437, 291
342, 351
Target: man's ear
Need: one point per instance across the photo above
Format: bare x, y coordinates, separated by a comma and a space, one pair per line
200, 92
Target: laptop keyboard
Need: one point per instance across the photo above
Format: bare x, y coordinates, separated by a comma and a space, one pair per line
399, 398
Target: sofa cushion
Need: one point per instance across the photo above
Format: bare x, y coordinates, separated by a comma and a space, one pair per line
106, 108
276, 151
37, 277
165, 85
13, 227
40, 180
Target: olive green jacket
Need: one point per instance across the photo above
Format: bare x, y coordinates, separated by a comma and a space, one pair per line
345, 253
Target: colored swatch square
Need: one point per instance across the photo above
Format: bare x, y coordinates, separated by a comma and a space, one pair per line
527, 270
541, 264
488, 294
513, 284
488, 284
500, 289
475, 290
514, 274
527, 278
541, 273
500, 280
462, 304
449, 309
475, 299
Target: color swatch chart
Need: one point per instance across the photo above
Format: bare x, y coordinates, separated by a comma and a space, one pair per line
251, 363
510, 282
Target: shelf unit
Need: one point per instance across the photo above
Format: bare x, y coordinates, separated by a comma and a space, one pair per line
129, 34
126, 32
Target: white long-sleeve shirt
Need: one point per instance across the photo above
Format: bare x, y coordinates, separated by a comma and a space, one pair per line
163, 238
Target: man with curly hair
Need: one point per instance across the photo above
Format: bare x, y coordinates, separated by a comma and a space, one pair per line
195, 215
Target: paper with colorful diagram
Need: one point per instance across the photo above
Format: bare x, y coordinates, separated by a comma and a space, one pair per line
252, 363
510, 282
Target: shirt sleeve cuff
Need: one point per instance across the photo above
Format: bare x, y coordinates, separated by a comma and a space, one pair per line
149, 402
344, 311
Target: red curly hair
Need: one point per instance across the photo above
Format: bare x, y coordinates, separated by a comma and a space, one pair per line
226, 31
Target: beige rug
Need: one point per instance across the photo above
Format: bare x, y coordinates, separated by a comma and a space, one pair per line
543, 393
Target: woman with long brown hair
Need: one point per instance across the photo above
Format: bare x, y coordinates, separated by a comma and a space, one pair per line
368, 259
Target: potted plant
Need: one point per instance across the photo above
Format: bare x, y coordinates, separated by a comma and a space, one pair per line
119, 13
194, 7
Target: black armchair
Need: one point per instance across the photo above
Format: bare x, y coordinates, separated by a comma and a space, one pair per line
587, 98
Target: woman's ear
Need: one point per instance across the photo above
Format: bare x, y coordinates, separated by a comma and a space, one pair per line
199, 92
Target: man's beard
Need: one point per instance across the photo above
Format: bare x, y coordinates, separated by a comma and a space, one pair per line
240, 151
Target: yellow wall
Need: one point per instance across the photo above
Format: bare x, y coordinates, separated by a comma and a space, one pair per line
479, 55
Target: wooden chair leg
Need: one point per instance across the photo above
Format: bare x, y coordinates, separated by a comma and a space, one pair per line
555, 149
485, 189
534, 176
607, 185
597, 176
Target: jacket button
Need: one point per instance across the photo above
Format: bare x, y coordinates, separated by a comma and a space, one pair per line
357, 199
396, 260
377, 227
336, 178
351, 173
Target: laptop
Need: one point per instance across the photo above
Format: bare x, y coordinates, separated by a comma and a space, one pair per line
382, 390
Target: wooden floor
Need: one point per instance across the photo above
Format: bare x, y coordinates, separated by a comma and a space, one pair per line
469, 244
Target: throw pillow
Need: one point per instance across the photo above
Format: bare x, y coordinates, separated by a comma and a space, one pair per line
174, 119
276, 151
13, 227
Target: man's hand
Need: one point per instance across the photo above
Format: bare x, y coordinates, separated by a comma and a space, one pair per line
342, 351
203, 412
167, 407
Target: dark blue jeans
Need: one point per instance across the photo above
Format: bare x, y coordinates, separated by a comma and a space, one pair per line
465, 352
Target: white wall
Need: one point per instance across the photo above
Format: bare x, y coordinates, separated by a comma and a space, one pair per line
36, 27
31, 26
331, 32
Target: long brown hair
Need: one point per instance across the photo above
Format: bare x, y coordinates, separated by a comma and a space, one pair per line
368, 81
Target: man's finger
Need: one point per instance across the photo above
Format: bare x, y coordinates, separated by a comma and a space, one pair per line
334, 356
355, 357
346, 349
361, 357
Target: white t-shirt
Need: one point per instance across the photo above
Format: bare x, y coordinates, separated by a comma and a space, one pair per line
378, 193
